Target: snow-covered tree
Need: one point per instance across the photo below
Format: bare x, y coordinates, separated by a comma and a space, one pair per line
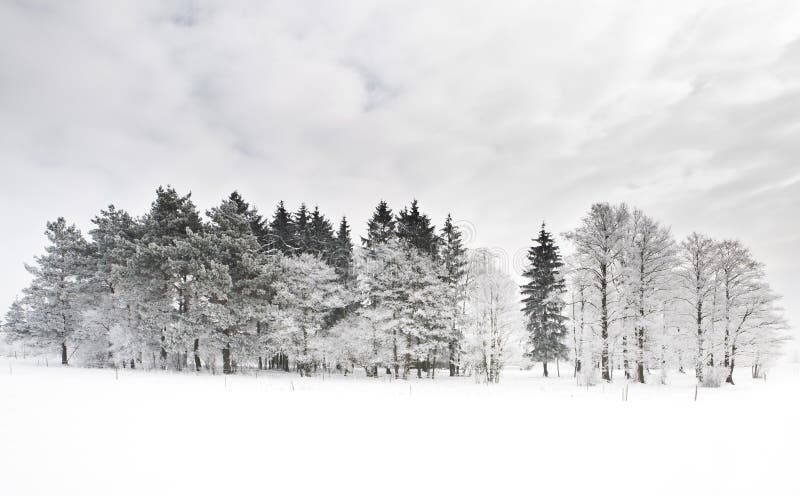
307, 292
649, 276
751, 319
599, 244
493, 316
405, 297
281, 231
232, 285
416, 230
454, 256
57, 295
158, 278
381, 227
696, 280
15, 325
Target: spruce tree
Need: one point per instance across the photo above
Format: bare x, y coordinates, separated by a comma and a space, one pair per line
381, 227
453, 254
544, 302
321, 239
281, 231
302, 230
342, 257
416, 230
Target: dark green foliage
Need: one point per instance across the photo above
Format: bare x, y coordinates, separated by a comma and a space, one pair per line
415, 228
544, 302
381, 227
170, 216
302, 230
342, 256
114, 237
258, 226
321, 241
453, 253
281, 231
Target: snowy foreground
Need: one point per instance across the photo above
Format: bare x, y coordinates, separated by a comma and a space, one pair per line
78, 431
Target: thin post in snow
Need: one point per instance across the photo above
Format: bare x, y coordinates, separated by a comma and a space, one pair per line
116, 372
695, 392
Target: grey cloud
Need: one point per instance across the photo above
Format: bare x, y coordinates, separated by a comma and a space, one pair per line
504, 116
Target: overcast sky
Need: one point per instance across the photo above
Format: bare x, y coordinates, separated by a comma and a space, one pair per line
504, 113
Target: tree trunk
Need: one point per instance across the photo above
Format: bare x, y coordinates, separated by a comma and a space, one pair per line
163, 353
64, 357
197, 365
729, 379
544, 368
226, 359
625, 364
606, 373
699, 321
452, 360
640, 355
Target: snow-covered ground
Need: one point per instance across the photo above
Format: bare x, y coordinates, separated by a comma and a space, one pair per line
79, 431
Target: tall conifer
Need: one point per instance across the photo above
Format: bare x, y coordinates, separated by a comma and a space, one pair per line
544, 302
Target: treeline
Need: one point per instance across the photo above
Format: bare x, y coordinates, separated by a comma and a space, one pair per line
233, 289
171, 289
632, 298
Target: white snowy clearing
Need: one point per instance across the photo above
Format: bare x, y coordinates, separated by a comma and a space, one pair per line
82, 431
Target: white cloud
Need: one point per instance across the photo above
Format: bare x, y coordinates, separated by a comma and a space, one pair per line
505, 115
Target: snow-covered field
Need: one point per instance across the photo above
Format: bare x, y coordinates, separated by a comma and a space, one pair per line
79, 431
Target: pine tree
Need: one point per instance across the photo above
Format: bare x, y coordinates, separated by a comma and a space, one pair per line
381, 227
544, 302
114, 238
15, 326
453, 254
57, 295
307, 292
416, 230
402, 290
342, 257
234, 283
281, 231
321, 240
258, 226
302, 230
160, 274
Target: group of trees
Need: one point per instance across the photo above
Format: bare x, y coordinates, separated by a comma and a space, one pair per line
174, 289
639, 300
